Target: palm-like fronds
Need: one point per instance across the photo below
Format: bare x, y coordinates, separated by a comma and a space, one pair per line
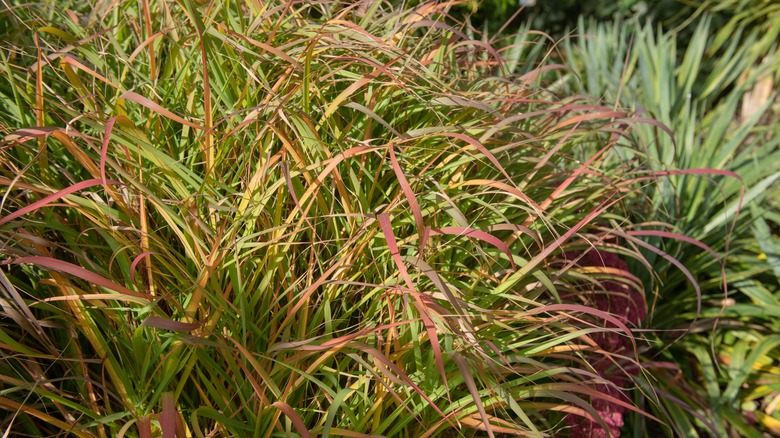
698, 95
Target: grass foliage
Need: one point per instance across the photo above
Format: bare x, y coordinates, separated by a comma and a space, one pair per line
338, 219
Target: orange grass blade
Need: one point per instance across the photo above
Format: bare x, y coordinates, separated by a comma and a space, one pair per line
137, 98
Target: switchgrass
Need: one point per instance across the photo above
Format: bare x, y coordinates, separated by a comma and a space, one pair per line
300, 218
706, 94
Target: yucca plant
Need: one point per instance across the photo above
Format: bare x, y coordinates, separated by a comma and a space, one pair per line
301, 219
724, 311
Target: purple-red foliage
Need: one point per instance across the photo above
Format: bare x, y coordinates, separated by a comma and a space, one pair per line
626, 304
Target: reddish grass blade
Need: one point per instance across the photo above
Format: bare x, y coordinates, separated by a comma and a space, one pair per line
505, 187
374, 116
441, 25
377, 355
596, 394
471, 385
475, 421
574, 175
70, 60
21, 136
145, 427
146, 42
427, 9
488, 48
168, 416
535, 73
88, 297
11, 291
687, 408
670, 235
409, 193
265, 47
352, 88
137, 98
21, 313
63, 135
104, 148
429, 272
308, 344
559, 242
384, 223
519, 228
425, 236
294, 417
53, 197
385, 47
332, 164
477, 234
293, 310
605, 115
550, 154
385, 371
677, 264
513, 119
137, 260
290, 187
76, 271
606, 316
261, 371
655, 123
480, 147
698, 171
169, 324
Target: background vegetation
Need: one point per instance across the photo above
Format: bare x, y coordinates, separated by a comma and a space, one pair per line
361, 219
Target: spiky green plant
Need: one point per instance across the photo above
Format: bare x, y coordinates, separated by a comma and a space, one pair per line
298, 218
724, 379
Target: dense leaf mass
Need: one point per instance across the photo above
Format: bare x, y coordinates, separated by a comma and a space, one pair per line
297, 218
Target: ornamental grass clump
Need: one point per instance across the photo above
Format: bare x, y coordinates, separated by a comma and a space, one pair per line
301, 219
